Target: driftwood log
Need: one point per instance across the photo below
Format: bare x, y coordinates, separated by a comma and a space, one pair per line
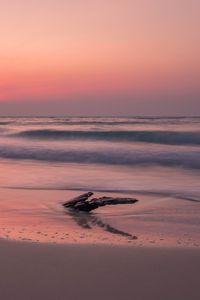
83, 203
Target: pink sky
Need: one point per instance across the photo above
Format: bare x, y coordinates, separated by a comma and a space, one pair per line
141, 53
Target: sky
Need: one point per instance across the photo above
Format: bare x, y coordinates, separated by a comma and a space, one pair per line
91, 57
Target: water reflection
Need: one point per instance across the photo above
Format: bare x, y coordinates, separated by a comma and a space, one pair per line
89, 220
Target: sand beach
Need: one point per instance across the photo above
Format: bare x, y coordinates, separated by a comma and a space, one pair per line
40, 271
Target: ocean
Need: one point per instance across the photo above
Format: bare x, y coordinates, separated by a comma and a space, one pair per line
153, 157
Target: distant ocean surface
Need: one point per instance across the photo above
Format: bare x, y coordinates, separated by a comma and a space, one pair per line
133, 154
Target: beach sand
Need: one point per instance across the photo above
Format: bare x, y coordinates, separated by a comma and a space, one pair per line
31, 271
48, 254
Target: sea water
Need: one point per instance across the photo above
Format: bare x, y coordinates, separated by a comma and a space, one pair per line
155, 157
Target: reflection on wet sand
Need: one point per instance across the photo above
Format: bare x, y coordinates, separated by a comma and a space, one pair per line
89, 220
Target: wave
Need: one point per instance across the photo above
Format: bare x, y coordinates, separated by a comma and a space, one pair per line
73, 122
113, 121
159, 137
5, 123
184, 159
98, 121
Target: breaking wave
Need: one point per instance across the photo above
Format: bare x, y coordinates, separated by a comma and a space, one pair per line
184, 159
158, 137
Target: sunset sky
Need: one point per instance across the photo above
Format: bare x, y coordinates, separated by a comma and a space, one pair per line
100, 57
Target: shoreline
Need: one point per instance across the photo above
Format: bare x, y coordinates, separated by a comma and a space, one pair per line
131, 245
38, 216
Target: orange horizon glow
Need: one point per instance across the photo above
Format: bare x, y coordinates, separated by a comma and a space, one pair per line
58, 49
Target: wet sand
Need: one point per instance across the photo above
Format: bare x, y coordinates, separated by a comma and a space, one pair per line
38, 216
40, 271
